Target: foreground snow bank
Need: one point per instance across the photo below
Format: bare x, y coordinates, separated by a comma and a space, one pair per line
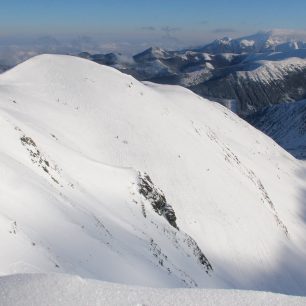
61, 289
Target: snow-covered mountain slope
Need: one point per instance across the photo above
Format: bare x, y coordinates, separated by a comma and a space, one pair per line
258, 84
286, 124
65, 290
221, 206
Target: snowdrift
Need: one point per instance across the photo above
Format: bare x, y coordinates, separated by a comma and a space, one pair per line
66, 290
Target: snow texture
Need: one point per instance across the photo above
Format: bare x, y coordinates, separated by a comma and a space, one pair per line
65, 290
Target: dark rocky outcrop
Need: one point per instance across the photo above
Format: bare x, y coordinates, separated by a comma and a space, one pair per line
159, 203
157, 198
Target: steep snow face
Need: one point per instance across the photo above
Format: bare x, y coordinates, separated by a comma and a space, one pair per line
66, 290
221, 204
286, 124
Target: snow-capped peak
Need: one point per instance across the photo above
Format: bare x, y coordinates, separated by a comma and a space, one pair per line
262, 41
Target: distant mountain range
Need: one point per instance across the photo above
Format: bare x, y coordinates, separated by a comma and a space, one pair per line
247, 73
261, 42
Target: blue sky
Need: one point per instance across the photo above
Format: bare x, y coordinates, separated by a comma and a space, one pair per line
115, 16
132, 25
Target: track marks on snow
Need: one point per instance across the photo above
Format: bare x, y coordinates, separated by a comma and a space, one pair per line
235, 162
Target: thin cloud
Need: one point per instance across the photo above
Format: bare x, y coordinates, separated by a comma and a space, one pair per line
169, 34
148, 28
170, 30
223, 30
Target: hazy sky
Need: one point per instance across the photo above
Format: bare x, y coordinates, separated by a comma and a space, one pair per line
115, 16
123, 24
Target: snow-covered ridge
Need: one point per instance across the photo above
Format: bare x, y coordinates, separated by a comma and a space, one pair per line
264, 41
77, 139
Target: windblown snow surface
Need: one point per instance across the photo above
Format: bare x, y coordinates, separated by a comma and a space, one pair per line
64, 290
142, 184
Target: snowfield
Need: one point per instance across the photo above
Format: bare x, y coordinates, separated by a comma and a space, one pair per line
66, 290
142, 184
